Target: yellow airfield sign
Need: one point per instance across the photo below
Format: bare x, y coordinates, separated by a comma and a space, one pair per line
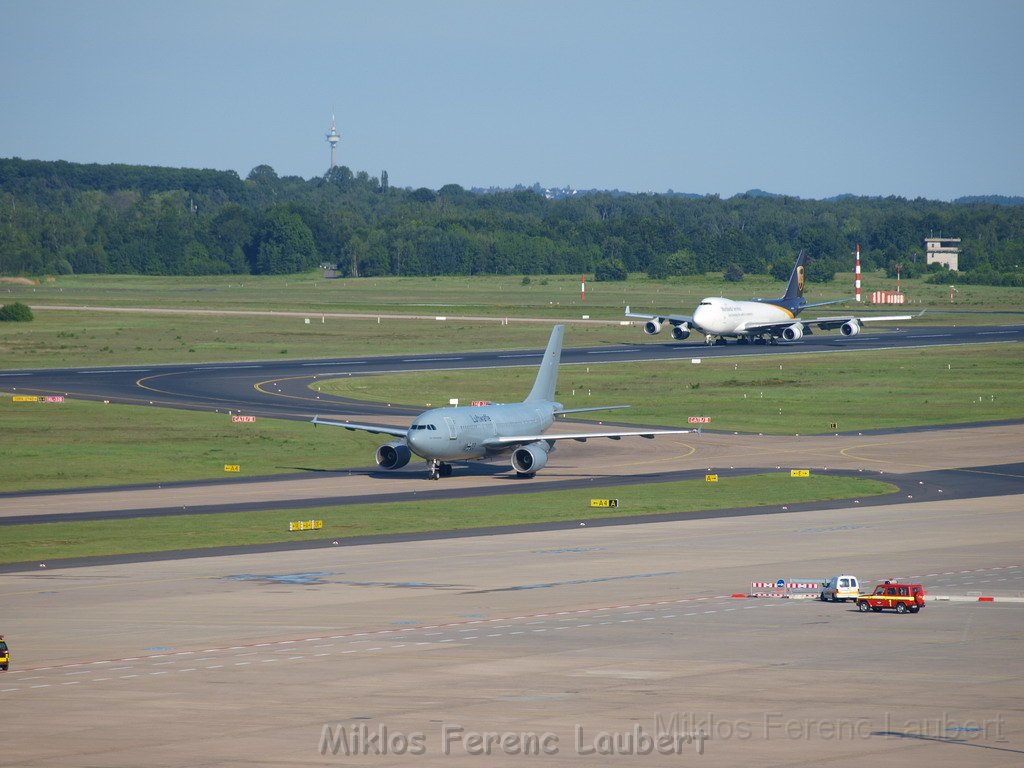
305, 525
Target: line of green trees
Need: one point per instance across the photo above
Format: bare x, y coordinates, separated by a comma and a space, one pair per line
63, 218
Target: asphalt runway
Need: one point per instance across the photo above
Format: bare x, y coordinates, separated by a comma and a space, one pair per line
281, 388
573, 642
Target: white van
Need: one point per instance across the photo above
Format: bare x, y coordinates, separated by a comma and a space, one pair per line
838, 588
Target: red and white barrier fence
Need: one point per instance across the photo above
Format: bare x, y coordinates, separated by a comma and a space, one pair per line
784, 588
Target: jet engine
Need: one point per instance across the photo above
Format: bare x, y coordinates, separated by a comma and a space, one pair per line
680, 332
393, 455
530, 458
850, 328
795, 332
652, 327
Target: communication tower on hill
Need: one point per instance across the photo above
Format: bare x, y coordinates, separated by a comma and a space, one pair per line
333, 138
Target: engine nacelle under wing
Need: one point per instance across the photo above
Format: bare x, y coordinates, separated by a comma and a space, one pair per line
393, 455
794, 332
529, 458
680, 332
850, 328
652, 327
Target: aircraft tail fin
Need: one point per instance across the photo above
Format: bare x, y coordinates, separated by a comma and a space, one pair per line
547, 375
795, 289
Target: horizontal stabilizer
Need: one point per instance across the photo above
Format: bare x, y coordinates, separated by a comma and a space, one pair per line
594, 408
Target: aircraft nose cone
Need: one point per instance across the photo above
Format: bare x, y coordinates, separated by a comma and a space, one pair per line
415, 440
703, 317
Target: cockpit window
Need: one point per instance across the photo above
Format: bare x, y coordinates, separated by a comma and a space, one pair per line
704, 304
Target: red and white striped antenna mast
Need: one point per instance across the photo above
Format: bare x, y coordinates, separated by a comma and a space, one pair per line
583, 287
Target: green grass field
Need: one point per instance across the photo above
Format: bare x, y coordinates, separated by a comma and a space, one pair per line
797, 394
68, 338
544, 296
57, 339
46, 542
80, 444
77, 443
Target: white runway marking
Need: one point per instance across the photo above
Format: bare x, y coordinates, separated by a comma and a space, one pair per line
347, 362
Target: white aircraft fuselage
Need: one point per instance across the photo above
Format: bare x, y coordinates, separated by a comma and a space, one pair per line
452, 434
726, 317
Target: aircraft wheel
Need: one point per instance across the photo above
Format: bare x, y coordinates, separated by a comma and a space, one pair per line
445, 470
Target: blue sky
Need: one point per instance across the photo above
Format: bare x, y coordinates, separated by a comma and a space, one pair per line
912, 98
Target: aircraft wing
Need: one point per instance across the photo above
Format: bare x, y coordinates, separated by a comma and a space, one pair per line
822, 323
591, 408
831, 323
376, 430
673, 319
825, 303
580, 437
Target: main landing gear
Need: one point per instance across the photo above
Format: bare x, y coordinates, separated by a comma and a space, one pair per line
438, 469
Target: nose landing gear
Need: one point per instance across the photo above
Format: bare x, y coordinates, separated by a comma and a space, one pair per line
438, 469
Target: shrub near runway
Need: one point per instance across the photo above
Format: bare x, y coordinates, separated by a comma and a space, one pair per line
49, 541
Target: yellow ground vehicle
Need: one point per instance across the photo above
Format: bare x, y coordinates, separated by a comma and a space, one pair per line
5, 655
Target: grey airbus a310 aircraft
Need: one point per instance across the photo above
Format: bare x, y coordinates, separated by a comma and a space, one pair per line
443, 435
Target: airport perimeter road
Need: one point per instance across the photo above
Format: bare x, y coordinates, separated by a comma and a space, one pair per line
281, 388
569, 643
